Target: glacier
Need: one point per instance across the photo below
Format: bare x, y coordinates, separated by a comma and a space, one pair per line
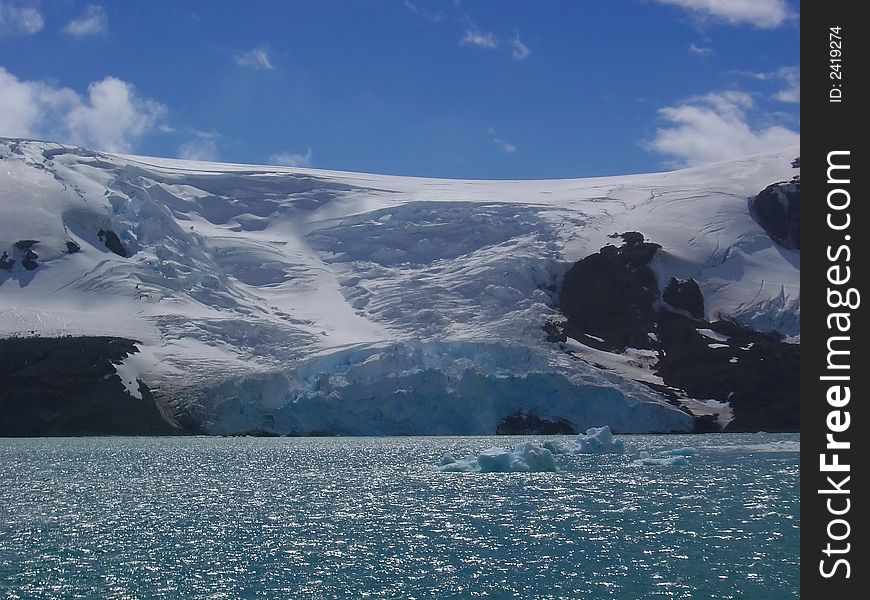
300, 301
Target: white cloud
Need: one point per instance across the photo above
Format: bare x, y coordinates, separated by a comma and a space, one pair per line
204, 135
520, 50
506, 147
474, 37
701, 51
92, 22
111, 117
31, 108
790, 94
254, 59
790, 76
432, 17
204, 149
289, 159
760, 13
716, 127
20, 19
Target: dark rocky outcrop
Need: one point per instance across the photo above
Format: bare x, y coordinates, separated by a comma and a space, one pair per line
756, 373
68, 386
610, 295
707, 424
26, 244
6, 263
112, 242
685, 295
777, 209
29, 260
528, 424
72, 247
611, 301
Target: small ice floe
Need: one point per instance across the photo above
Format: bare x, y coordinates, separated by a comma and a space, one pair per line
773, 447
598, 440
684, 451
668, 458
526, 457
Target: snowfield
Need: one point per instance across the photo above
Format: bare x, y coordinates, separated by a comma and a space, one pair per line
287, 300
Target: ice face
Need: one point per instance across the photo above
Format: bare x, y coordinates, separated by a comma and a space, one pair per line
434, 388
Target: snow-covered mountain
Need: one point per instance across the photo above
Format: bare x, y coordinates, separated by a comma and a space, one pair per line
292, 300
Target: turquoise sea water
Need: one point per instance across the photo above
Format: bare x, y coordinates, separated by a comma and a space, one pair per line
373, 518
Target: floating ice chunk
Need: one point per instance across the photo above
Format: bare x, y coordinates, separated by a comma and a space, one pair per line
446, 460
598, 440
535, 456
764, 447
527, 457
661, 461
450, 464
555, 447
497, 460
684, 451
668, 458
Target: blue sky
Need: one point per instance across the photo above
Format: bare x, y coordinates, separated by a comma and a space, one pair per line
444, 88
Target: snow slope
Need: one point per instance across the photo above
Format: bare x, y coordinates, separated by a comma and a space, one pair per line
298, 300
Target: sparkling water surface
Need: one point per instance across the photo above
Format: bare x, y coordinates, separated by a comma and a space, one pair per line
198, 517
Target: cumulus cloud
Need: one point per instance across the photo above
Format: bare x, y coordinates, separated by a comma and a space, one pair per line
716, 127
110, 117
254, 59
289, 159
474, 37
765, 14
31, 108
16, 18
113, 116
519, 50
92, 22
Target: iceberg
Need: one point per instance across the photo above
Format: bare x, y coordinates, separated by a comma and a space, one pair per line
597, 440
668, 458
527, 457
661, 461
